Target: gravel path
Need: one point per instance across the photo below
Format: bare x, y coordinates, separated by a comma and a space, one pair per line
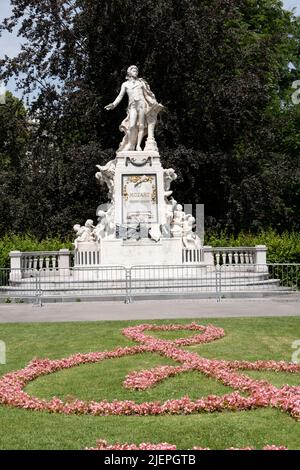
149, 310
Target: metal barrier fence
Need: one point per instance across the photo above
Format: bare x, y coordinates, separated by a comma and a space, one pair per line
279, 278
74, 284
171, 280
14, 286
118, 282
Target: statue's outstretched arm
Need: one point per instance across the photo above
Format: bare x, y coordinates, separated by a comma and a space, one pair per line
118, 99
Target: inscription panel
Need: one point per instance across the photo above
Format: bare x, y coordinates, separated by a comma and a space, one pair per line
139, 199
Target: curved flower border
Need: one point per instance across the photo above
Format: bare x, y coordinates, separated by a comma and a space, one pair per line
260, 393
103, 445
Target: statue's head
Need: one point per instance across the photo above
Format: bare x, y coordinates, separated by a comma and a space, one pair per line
89, 223
101, 214
132, 71
77, 227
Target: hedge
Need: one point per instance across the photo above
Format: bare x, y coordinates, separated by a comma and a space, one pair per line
284, 248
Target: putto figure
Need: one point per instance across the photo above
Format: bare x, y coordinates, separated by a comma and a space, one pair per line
85, 233
142, 112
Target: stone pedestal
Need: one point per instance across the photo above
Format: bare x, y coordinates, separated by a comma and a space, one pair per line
208, 257
261, 258
139, 189
15, 266
141, 252
87, 255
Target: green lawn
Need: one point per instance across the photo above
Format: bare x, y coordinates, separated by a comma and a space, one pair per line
250, 339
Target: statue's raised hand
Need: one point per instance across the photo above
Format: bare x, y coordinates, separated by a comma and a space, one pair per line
109, 107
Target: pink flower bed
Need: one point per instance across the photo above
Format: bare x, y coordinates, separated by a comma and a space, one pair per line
103, 445
259, 393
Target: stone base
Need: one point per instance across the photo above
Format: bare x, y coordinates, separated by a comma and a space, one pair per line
118, 252
87, 255
141, 252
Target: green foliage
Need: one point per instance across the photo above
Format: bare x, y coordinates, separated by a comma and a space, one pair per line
284, 248
226, 57
28, 242
230, 128
13, 131
60, 189
14, 135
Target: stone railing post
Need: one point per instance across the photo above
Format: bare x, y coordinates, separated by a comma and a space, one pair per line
208, 256
15, 266
64, 262
261, 258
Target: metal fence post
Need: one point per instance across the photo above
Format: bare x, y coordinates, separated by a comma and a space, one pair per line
128, 298
218, 283
38, 289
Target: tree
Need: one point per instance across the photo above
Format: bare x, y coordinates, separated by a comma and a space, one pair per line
219, 66
13, 139
13, 131
60, 188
